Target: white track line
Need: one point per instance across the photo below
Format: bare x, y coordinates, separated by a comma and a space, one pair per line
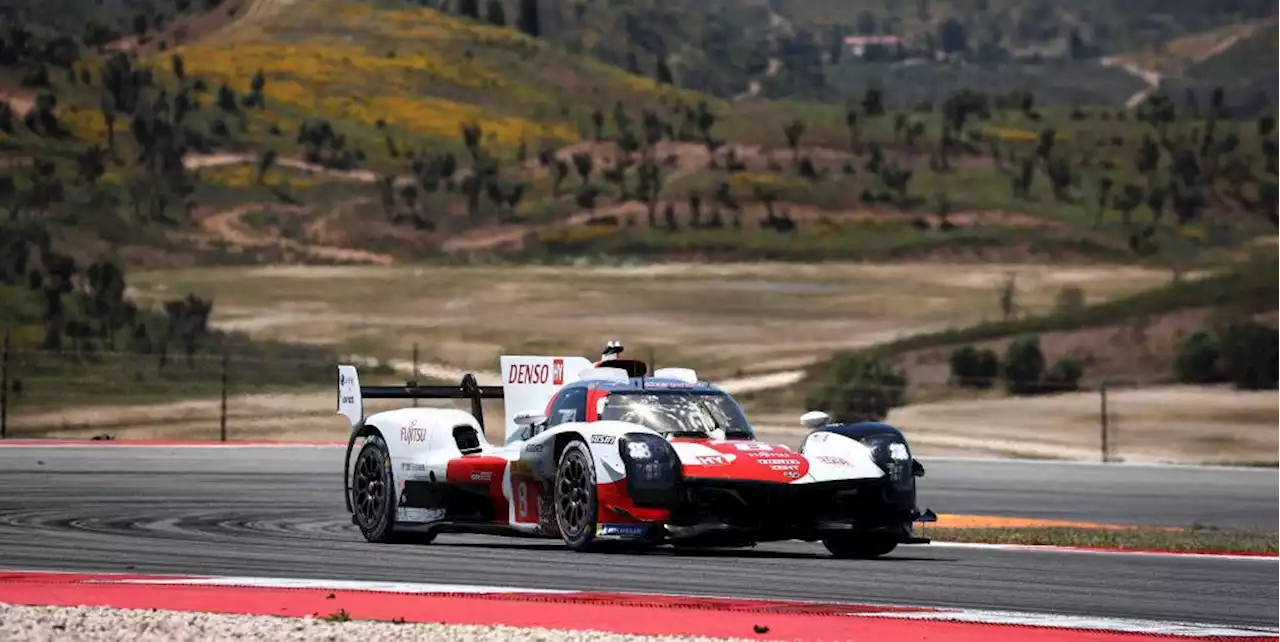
1087, 623
412, 588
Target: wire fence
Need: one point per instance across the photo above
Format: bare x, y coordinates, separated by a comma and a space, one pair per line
234, 397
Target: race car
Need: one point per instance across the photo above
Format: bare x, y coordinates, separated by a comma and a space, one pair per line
606, 453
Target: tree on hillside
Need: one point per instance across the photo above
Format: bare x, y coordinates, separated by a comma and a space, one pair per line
663, 73
469, 8
584, 164
529, 21
597, 124
793, 131
873, 102
495, 13
851, 122
952, 36
179, 69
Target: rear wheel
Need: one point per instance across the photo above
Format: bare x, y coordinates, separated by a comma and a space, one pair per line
373, 492
860, 546
575, 496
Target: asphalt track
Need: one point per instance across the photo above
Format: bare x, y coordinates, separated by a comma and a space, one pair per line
278, 512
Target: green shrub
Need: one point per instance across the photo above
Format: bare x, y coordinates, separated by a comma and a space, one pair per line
1064, 376
1197, 360
1024, 365
1249, 353
859, 388
973, 367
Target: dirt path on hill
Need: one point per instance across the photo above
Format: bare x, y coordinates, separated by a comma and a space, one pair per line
228, 225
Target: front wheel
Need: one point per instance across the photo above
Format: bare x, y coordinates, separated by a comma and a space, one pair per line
860, 546
575, 497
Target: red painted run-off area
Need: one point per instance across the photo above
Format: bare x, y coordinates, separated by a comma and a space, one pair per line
621, 613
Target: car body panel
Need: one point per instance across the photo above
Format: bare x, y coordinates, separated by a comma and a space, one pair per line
447, 471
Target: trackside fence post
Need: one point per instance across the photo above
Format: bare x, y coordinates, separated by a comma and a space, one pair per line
222, 414
4, 387
1102, 391
414, 378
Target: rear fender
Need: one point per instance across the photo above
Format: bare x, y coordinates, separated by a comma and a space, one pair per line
420, 441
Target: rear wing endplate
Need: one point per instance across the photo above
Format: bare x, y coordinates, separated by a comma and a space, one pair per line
351, 394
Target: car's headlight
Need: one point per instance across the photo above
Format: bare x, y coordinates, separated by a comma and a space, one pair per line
638, 450
652, 467
891, 454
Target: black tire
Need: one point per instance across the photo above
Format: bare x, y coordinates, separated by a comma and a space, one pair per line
575, 497
860, 546
373, 497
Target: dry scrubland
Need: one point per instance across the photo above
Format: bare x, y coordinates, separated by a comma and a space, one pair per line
727, 320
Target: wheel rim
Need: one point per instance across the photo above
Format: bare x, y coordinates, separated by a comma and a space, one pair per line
370, 489
573, 498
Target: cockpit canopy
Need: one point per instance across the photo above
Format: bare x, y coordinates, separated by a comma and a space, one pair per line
678, 413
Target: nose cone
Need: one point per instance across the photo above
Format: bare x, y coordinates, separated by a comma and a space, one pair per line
742, 460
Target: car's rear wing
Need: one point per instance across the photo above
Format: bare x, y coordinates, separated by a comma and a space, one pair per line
351, 394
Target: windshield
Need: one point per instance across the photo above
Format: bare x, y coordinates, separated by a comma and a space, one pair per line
678, 413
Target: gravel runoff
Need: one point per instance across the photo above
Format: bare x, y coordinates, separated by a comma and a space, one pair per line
40, 623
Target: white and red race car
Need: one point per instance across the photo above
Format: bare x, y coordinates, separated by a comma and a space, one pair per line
606, 451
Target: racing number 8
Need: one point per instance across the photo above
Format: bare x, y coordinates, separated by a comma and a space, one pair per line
522, 502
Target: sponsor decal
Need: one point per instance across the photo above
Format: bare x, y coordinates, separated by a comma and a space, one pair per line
834, 461
411, 433
557, 371
898, 451
603, 439
420, 515
534, 448
819, 436
674, 384
752, 447
481, 476
621, 530
791, 475
711, 460
533, 373
773, 462
413, 467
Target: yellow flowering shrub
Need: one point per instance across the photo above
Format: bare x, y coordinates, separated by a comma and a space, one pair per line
417, 69
746, 182
351, 83
88, 125
1019, 135
246, 175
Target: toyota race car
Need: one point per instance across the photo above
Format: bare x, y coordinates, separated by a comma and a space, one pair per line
608, 452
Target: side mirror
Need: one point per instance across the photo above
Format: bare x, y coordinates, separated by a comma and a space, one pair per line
530, 418
814, 419
917, 468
